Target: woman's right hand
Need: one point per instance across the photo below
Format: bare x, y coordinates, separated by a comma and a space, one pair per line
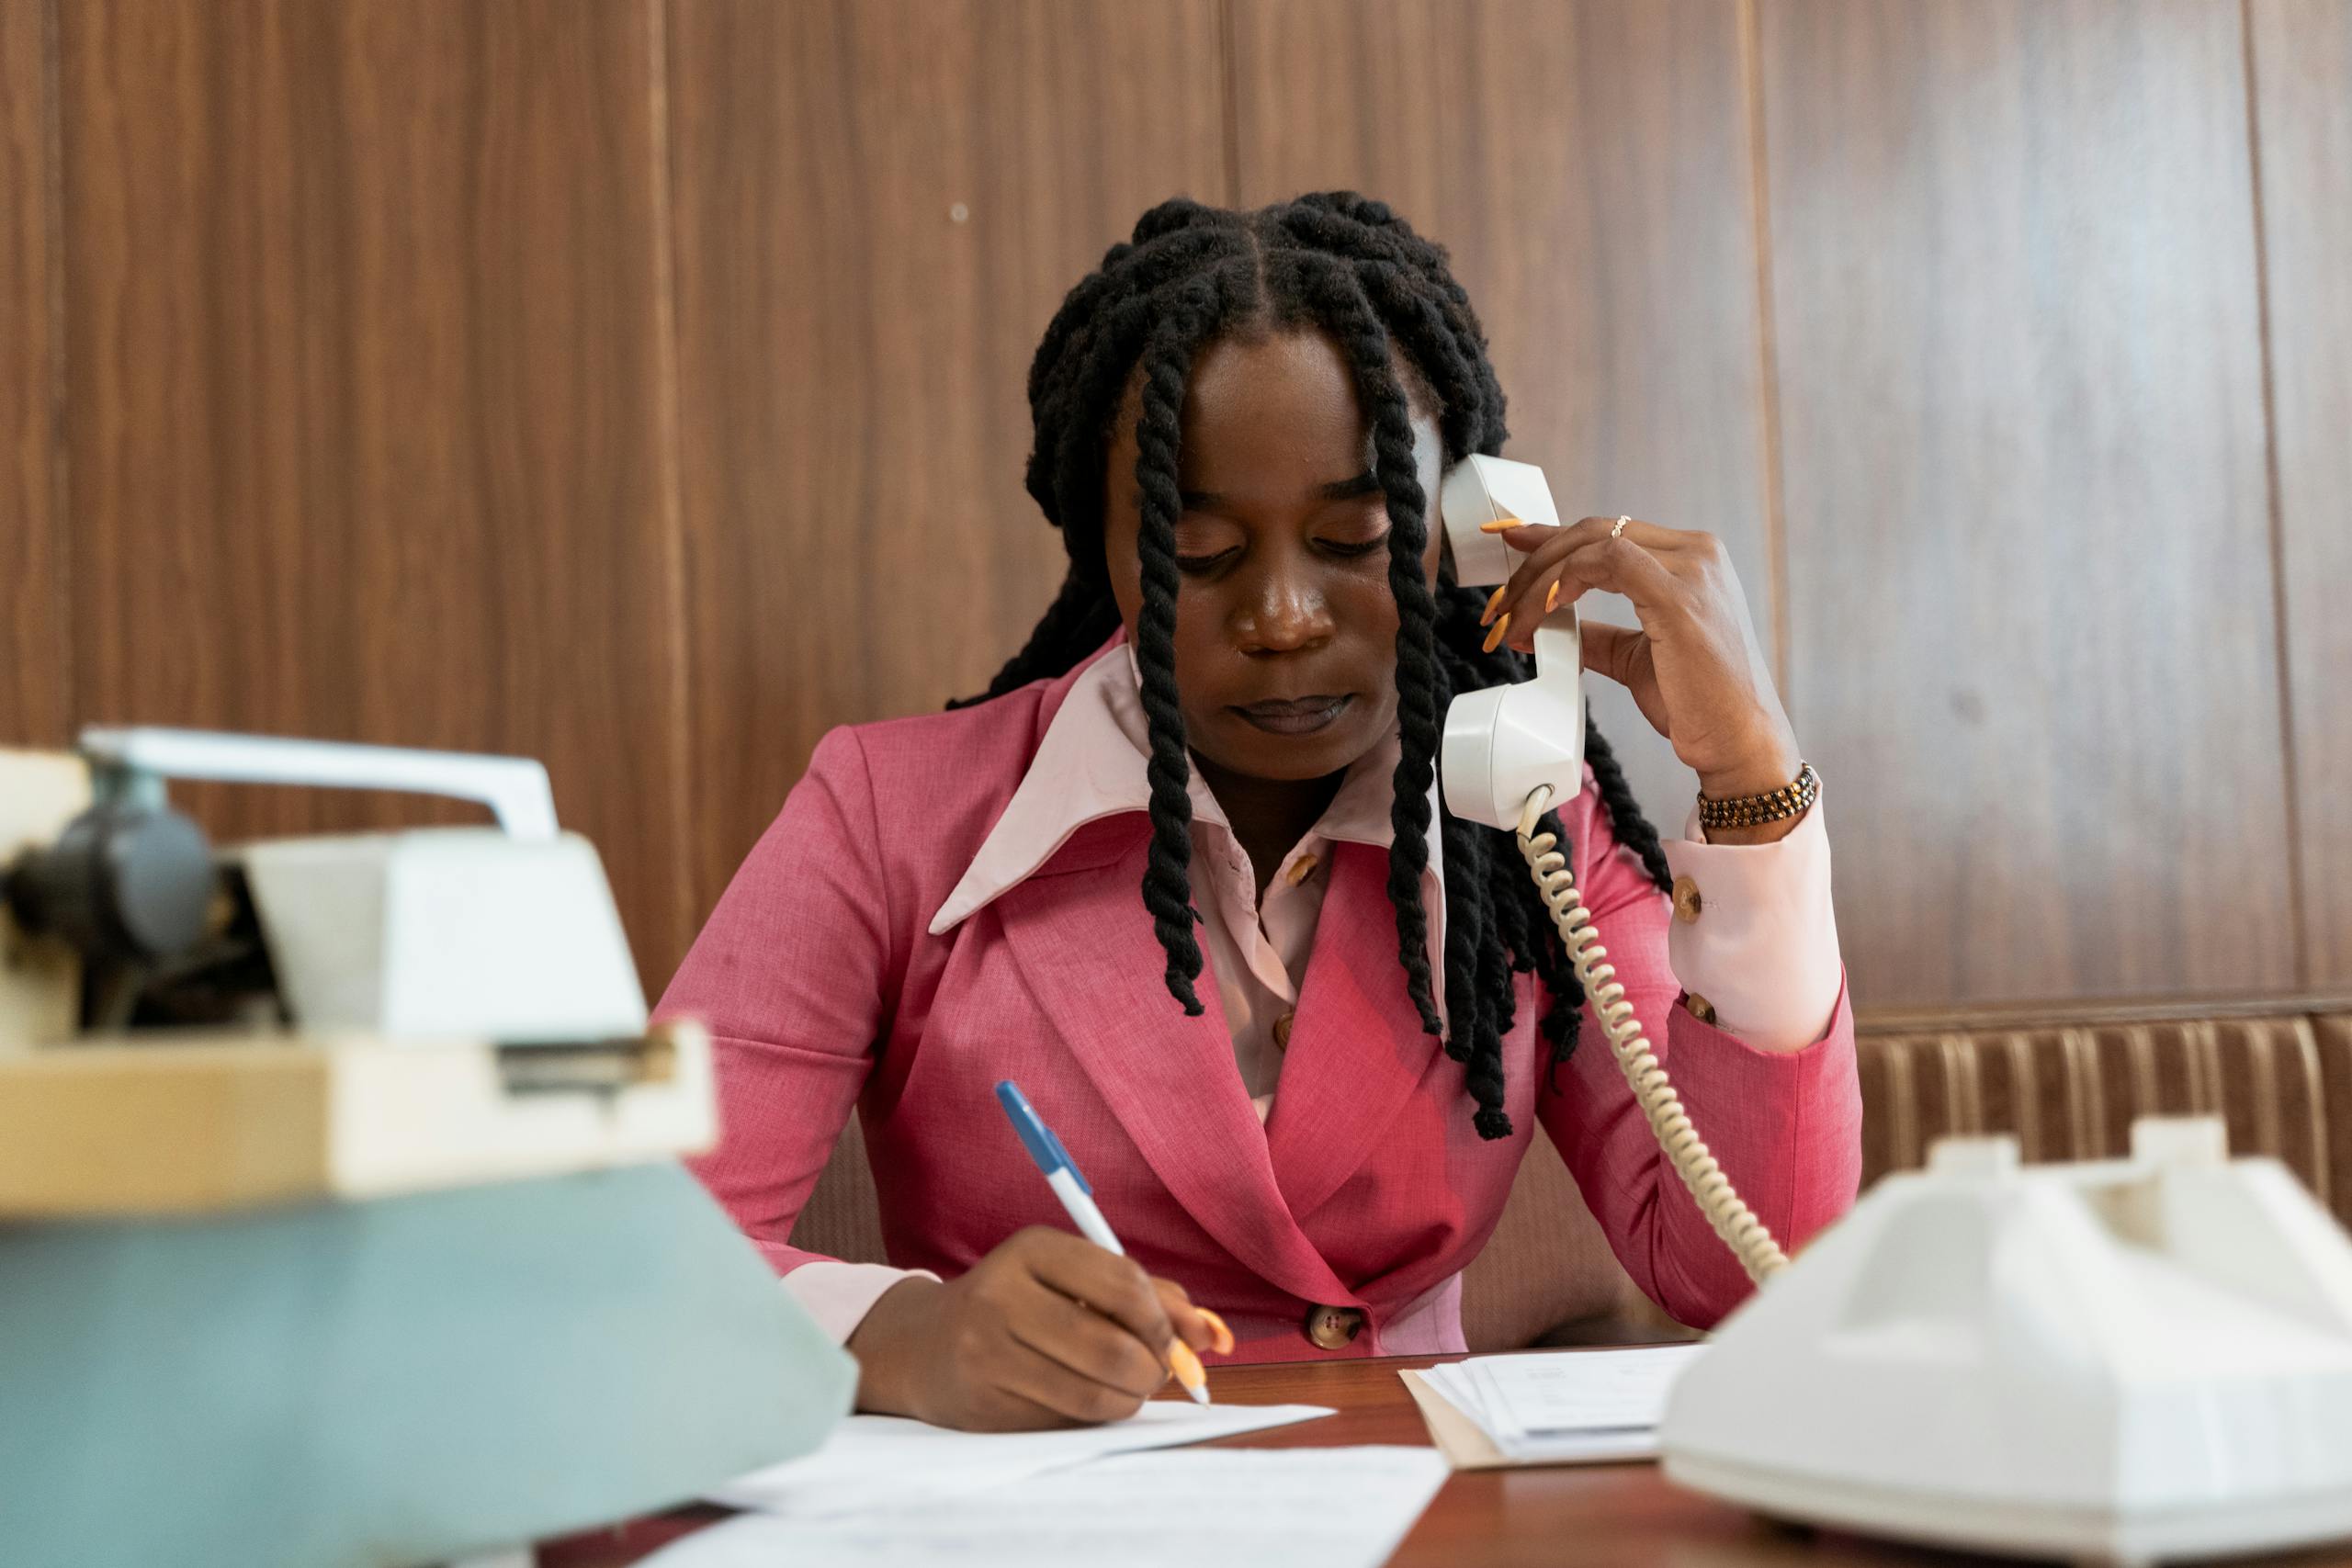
1047, 1330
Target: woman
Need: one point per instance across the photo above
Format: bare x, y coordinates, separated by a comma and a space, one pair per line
1301, 1066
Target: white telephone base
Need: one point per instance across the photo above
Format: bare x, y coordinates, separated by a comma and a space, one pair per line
2127, 1361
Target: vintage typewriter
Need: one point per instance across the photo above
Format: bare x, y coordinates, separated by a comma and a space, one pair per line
340, 1215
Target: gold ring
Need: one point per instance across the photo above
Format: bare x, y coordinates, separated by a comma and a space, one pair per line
1621, 526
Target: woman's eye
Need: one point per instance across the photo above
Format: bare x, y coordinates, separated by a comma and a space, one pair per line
1194, 565
1356, 547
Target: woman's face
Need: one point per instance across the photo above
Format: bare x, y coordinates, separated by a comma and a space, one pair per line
1285, 631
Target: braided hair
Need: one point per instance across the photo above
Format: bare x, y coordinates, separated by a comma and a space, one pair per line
1346, 265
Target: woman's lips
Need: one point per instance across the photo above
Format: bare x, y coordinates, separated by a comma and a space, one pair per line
1294, 715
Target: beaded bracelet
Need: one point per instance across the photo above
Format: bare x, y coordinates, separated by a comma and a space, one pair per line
1791, 799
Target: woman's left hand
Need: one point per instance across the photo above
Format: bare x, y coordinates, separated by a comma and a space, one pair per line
1692, 665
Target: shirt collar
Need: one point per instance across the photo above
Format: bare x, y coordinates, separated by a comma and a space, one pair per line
1090, 765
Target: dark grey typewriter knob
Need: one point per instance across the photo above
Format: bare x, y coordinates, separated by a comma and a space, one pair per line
121, 882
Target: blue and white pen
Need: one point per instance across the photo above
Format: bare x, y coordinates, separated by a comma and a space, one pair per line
1077, 1198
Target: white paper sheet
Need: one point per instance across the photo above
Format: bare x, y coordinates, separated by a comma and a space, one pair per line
1195, 1508
871, 1462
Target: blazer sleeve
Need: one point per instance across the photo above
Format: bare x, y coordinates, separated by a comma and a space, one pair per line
794, 975
1785, 1125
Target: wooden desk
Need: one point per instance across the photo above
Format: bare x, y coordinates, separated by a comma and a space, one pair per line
1624, 1516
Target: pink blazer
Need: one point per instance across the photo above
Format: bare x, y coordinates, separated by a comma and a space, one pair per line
1367, 1188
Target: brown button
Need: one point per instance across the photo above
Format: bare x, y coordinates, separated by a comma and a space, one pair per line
1334, 1328
1282, 1030
1701, 1008
1687, 902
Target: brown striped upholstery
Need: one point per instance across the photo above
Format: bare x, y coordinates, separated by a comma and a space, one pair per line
2332, 1038
2280, 1077
2069, 1085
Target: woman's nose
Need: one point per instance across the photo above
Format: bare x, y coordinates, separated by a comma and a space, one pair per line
1284, 612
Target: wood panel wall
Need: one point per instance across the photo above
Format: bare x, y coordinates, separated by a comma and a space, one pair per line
36, 687
365, 389
2299, 78
2014, 305
637, 384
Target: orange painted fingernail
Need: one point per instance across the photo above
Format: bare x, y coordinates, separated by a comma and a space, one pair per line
1496, 599
1500, 524
1224, 1346
1494, 637
1552, 600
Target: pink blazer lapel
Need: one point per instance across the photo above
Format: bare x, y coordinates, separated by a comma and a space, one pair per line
1357, 1050
1084, 943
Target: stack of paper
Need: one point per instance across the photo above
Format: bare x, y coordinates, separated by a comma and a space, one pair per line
1564, 1407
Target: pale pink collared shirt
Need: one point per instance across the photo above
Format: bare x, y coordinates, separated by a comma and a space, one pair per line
1764, 954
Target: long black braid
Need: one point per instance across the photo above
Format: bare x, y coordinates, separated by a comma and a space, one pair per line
1347, 265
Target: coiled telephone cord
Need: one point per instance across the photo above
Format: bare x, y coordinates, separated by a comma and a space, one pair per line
1733, 1220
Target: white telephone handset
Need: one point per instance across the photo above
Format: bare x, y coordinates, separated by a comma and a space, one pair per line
2132, 1360
1510, 753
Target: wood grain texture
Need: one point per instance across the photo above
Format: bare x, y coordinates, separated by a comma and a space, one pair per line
363, 340
2029, 574
1587, 166
35, 700
2303, 76
852, 353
